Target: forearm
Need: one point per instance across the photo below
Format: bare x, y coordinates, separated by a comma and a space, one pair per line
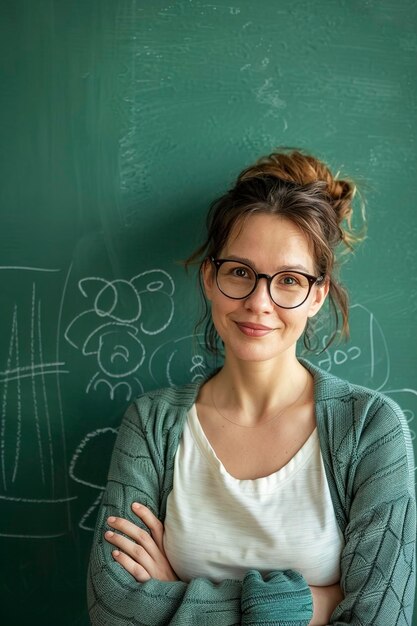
325, 600
115, 598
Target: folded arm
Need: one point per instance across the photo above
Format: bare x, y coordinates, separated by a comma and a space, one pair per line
140, 464
378, 560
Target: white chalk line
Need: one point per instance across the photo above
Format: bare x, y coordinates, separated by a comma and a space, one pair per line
19, 404
38, 500
13, 536
34, 394
27, 268
30, 372
196, 359
112, 386
151, 287
45, 401
337, 357
89, 511
4, 402
95, 344
59, 393
80, 448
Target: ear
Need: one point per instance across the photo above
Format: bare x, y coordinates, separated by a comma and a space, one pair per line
319, 297
208, 278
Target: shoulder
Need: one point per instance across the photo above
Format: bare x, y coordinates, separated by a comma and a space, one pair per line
162, 409
356, 401
358, 423
171, 397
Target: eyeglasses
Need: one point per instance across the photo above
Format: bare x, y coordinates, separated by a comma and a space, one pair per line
287, 289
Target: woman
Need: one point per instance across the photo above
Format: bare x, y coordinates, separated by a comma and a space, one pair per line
274, 492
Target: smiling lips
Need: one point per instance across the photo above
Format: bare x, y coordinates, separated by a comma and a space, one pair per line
254, 330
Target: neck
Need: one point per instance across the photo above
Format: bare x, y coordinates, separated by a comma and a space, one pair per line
254, 392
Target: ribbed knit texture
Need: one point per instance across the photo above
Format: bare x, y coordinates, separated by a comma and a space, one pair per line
281, 598
367, 452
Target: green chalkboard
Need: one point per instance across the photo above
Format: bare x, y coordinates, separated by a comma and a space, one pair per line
120, 122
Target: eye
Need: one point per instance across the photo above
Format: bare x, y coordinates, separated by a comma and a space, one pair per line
289, 280
292, 281
240, 272
236, 272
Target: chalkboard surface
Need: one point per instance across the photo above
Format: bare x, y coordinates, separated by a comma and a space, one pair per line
120, 122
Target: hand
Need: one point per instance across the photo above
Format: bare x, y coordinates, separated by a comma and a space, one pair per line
141, 554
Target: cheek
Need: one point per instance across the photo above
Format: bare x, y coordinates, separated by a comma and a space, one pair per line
296, 318
221, 308
218, 320
220, 305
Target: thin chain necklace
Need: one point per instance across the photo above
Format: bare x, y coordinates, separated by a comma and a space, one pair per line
267, 421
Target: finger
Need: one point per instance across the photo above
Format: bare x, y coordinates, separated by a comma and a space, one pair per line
130, 565
138, 535
151, 521
136, 552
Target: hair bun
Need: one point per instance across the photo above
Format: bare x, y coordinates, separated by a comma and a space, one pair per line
295, 166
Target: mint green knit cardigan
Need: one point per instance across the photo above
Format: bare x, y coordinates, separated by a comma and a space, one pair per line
368, 457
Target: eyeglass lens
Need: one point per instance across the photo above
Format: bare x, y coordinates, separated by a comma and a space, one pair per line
287, 289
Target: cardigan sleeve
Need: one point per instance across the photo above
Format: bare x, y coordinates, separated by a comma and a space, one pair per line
138, 472
378, 560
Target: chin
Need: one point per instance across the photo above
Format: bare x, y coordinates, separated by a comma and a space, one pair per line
255, 353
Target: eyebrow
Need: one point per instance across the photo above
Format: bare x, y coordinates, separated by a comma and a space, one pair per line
283, 268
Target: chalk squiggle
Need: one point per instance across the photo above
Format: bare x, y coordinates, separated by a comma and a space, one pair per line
110, 328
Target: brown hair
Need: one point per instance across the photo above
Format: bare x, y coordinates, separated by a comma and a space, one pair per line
301, 188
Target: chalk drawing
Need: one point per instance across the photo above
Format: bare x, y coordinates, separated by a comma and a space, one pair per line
368, 350
37, 500
82, 465
13, 339
28, 443
34, 394
59, 392
118, 350
170, 362
24, 536
45, 399
27, 268
91, 512
37, 370
121, 313
131, 390
86, 443
29, 371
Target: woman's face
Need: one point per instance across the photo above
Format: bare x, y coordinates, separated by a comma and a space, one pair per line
255, 328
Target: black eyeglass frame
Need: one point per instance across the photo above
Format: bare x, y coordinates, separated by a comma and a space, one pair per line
312, 280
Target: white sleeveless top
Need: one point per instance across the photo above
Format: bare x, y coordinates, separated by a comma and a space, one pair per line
218, 526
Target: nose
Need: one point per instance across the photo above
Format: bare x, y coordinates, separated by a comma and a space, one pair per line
259, 300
